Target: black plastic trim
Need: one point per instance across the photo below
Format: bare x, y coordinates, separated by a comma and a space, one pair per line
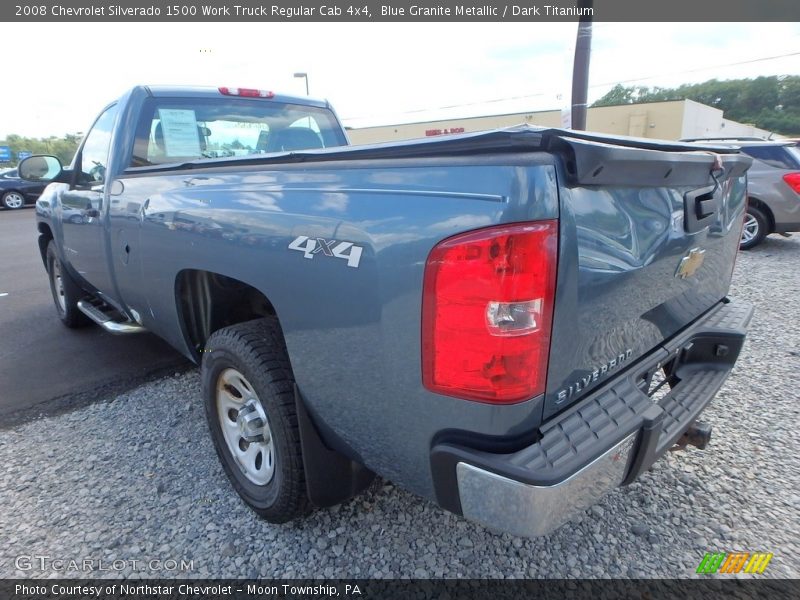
597, 161
591, 159
700, 206
787, 227
703, 353
331, 477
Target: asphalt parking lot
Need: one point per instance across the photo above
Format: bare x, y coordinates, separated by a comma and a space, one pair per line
43, 365
134, 477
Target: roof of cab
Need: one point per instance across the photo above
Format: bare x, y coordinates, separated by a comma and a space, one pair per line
166, 91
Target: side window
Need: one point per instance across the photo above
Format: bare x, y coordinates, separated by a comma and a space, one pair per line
94, 155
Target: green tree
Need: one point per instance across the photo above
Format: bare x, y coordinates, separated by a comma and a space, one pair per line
767, 102
62, 147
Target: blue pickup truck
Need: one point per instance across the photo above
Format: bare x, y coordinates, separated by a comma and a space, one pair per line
510, 323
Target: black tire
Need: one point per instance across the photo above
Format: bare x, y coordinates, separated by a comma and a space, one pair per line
256, 351
69, 292
13, 200
756, 228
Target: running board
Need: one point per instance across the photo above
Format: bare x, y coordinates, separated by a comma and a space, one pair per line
106, 322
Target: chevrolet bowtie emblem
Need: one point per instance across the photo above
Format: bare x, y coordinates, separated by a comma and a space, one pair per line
690, 263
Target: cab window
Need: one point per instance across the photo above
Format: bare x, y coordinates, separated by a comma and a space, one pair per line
180, 129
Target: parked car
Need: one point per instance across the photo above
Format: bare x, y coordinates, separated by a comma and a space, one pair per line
16, 192
773, 187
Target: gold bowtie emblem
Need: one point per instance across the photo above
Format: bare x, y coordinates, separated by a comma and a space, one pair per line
690, 263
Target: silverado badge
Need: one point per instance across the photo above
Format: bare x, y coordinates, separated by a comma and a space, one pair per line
690, 263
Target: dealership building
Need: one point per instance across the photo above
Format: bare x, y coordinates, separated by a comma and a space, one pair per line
658, 120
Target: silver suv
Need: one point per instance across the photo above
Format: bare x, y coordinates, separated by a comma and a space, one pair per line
773, 187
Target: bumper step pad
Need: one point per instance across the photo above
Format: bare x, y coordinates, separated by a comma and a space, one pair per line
617, 422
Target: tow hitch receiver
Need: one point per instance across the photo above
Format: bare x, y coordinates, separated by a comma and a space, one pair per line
698, 435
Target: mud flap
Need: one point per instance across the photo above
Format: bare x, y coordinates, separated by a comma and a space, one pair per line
331, 478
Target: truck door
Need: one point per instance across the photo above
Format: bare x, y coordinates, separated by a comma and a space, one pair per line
84, 208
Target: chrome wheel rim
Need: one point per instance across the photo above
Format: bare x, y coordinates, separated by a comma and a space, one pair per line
14, 200
750, 228
58, 287
245, 427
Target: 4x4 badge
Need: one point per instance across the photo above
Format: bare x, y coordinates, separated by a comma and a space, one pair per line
333, 248
690, 263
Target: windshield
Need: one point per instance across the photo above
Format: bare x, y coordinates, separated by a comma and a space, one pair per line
179, 129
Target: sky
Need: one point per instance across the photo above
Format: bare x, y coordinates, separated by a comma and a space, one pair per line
372, 73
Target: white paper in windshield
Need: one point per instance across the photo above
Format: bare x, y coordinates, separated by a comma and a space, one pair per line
179, 127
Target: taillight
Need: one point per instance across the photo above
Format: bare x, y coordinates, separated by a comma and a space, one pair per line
246, 92
487, 309
793, 181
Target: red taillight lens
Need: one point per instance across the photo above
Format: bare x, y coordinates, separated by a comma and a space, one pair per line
246, 92
487, 310
793, 181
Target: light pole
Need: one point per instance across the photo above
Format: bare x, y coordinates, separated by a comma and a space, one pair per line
304, 76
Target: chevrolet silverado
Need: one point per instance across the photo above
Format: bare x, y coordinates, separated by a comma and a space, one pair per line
510, 323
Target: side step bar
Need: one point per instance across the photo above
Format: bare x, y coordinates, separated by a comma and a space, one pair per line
106, 322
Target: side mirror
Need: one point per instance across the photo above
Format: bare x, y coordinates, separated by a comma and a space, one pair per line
40, 168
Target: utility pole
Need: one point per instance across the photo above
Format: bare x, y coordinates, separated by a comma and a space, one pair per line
580, 68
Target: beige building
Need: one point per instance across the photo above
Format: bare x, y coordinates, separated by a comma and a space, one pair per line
658, 120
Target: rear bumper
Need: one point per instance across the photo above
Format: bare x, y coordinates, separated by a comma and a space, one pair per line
605, 440
786, 227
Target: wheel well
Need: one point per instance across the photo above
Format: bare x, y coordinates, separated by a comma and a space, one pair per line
756, 203
209, 301
45, 235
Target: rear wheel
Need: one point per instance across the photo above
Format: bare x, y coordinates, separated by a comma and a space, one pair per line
248, 390
13, 200
755, 228
66, 292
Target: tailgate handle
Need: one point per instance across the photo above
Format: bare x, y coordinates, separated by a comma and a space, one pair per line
705, 206
700, 206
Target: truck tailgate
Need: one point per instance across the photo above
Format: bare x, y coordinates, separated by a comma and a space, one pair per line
648, 239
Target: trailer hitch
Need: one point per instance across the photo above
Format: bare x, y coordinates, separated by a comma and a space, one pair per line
698, 435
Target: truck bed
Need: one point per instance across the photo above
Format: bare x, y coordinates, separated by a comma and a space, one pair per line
353, 333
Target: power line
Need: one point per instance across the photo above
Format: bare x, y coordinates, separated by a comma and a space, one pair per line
736, 64
479, 102
596, 85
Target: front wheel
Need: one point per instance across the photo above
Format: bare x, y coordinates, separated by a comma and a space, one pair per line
248, 392
66, 293
13, 200
755, 228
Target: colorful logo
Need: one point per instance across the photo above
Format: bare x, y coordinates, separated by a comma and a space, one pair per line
734, 562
